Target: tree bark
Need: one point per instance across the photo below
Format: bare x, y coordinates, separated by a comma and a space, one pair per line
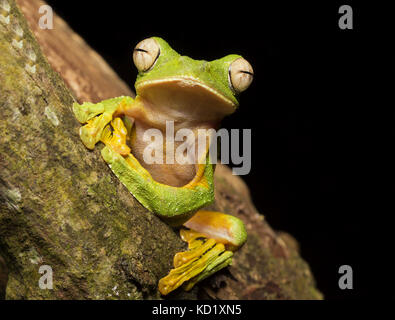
61, 206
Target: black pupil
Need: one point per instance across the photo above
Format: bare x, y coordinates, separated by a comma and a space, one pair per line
247, 72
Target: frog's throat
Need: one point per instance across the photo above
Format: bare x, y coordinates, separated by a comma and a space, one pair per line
174, 204
187, 81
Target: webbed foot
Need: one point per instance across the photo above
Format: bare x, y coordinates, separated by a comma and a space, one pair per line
210, 244
204, 257
97, 116
114, 135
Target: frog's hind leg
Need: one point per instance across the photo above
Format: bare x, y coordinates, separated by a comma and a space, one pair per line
97, 116
212, 237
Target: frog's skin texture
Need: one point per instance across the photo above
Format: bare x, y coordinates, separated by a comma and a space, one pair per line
195, 94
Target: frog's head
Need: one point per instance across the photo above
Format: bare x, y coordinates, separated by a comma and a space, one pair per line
202, 89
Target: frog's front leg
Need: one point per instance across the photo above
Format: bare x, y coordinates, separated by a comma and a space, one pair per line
97, 116
212, 237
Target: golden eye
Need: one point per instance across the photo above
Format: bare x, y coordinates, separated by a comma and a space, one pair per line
240, 74
145, 54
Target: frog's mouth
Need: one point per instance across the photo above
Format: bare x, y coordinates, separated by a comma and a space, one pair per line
186, 95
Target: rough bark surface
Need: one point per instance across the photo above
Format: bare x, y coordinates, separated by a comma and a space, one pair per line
61, 206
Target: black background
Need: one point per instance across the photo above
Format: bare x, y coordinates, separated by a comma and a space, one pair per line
316, 109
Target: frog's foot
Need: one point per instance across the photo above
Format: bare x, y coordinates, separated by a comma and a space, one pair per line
204, 257
114, 136
97, 116
210, 244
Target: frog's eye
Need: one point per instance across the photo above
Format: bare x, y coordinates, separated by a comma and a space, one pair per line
240, 74
145, 54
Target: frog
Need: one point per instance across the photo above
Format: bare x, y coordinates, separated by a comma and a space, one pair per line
191, 94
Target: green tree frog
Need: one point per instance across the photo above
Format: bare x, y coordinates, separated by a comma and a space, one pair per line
193, 94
